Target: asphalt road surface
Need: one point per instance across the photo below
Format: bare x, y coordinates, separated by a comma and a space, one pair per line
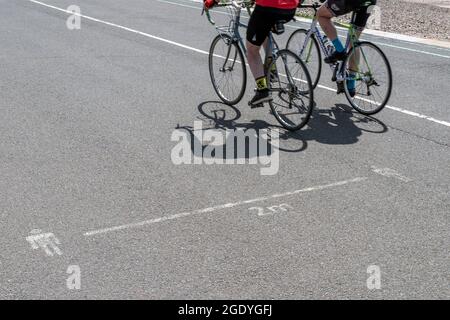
88, 187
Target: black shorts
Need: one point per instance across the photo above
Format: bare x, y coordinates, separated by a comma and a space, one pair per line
361, 8
262, 21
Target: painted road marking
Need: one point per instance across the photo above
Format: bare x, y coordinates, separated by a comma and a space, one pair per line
45, 241
401, 110
404, 48
391, 173
221, 207
282, 208
120, 27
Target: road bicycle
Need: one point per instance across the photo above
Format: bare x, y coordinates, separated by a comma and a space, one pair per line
287, 76
366, 63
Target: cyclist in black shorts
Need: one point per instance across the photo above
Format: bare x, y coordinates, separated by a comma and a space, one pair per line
266, 14
334, 8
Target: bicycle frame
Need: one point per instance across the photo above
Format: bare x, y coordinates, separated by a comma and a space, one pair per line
287, 91
233, 29
315, 30
354, 67
233, 32
351, 43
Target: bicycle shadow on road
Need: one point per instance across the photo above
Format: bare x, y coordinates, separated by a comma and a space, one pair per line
339, 125
240, 140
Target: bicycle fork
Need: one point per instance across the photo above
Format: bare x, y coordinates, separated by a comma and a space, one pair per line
230, 68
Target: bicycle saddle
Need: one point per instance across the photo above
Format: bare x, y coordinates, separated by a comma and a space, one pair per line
278, 28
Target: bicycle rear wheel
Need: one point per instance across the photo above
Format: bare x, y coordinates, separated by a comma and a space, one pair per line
292, 91
370, 68
227, 69
308, 51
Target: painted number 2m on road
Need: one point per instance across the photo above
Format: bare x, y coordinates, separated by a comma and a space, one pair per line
267, 211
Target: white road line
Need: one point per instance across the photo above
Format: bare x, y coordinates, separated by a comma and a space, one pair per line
390, 173
403, 48
120, 27
341, 29
221, 207
404, 111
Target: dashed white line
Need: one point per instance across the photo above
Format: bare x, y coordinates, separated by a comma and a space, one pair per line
404, 111
220, 207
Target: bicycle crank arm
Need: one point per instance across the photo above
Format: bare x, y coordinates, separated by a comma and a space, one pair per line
255, 106
226, 69
335, 71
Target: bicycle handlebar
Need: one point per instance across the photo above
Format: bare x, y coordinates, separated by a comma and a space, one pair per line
208, 16
238, 4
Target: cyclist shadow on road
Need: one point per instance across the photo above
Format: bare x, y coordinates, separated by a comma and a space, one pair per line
220, 125
339, 125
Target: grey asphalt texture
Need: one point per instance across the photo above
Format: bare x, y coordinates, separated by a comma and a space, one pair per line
86, 122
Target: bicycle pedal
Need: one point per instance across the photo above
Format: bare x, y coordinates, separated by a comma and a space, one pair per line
340, 88
256, 106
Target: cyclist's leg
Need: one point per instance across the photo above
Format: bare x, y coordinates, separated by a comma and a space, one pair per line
361, 18
277, 15
353, 67
257, 32
261, 22
255, 63
330, 9
324, 16
268, 53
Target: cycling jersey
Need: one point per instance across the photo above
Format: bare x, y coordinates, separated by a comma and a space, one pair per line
278, 4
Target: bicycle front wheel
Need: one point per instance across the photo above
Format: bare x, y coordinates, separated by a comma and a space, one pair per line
308, 50
292, 91
369, 69
227, 69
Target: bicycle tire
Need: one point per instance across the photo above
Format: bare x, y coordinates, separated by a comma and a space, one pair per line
382, 104
309, 92
315, 72
237, 54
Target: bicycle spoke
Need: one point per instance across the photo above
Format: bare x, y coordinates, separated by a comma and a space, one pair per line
308, 50
290, 106
227, 69
373, 79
